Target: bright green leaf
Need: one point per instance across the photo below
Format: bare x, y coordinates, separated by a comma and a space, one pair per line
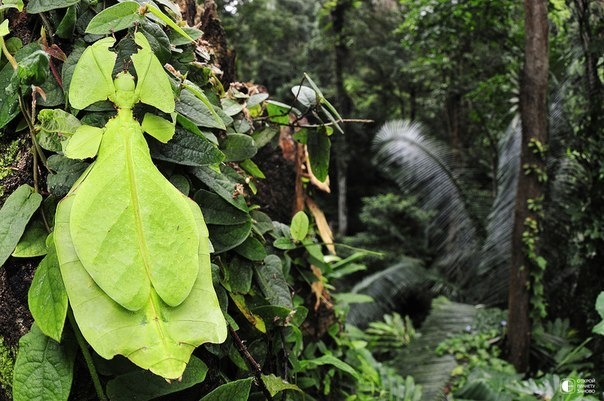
168, 21
284, 243
47, 298
177, 39
275, 384
238, 390
329, 360
299, 226
252, 168
43, 369
18, 4
278, 112
115, 18
142, 385
33, 241
14, 216
41, 6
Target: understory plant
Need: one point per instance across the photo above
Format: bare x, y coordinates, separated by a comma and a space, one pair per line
158, 272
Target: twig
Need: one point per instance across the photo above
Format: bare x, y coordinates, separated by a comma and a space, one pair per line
87, 357
255, 366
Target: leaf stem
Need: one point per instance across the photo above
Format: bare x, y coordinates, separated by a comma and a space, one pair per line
251, 362
96, 381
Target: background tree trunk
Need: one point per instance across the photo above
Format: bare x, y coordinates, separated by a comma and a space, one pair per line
344, 104
534, 114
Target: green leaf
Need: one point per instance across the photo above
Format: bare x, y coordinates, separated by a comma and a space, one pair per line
237, 147
66, 27
168, 21
275, 384
187, 149
319, 147
264, 136
14, 216
43, 369
115, 18
92, 79
177, 39
299, 226
272, 282
238, 390
193, 104
41, 6
238, 278
34, 68
47, 298
56, 126
284, 243
142, 385
278, 112
225, 238
218, 211
329, 360
222, 185
9, 101
64, 172
251, 249
33, 241
18, 4
252, 168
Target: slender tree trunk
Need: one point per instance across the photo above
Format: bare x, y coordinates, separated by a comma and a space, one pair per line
534, 114
344, 103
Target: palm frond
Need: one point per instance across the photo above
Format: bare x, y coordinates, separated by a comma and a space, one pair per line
419, 359
421, 167
388, 288
497, 248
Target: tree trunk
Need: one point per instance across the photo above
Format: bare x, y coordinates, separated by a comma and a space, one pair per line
344, 103
534, 114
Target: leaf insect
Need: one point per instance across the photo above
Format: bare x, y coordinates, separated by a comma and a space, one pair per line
133, 250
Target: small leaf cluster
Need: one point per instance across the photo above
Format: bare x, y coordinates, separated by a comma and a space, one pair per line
272, 279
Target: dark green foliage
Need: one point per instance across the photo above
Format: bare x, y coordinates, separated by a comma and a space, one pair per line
394, 226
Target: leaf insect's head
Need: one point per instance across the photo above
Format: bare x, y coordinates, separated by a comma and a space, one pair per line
124, 85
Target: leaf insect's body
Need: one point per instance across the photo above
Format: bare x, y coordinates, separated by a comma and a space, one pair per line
133, 250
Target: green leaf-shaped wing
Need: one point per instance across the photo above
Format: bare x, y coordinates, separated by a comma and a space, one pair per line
91, 81
153, 85
157, 337
131, 228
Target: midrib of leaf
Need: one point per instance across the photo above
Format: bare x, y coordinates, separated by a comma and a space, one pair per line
141, 238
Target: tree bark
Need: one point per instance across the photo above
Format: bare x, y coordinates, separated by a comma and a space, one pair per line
534, 115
